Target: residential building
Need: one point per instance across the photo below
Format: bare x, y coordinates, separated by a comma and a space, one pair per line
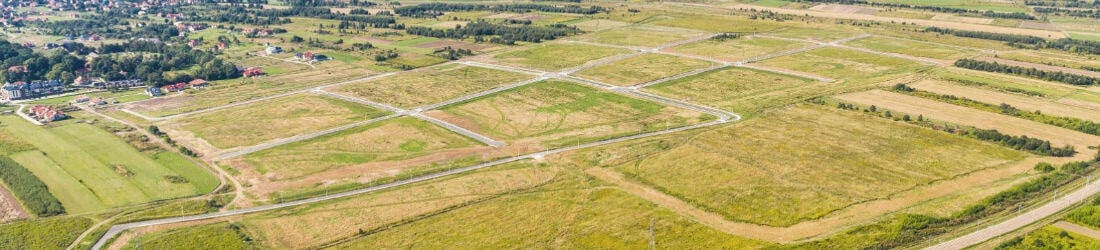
198, 83
253, 72
153, 91
45, 113
23, 90
177, 87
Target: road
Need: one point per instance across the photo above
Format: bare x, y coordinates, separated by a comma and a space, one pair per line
1021, 220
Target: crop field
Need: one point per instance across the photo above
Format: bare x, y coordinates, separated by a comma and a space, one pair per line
778, 187
1052, 58
913, 48
967, 116
557, 56
717, 23
360, 154
431, 85
272, 119
838, 63
89, 169
738, 49
640, 36
555, 113
1024, 102
1053, 238
642, 69
214, 236
1063, 93
743, 90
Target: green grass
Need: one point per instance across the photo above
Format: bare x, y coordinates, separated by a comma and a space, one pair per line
431, 85
559, 113
854, 158
1055, 58
557, 56
913, 48
642, 69
272, 119
844, 64
640, 35
75, 161
740, 48
1051, 237
739, 89
716, 23
52, 233
213, 236
121, 96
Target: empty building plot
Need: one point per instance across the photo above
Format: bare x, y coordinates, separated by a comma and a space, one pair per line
738, 49
556, 56
844, 64
430, 85
642, 69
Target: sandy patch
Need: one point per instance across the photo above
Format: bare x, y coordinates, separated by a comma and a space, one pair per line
1037, 25
845, 9
954, 18
10, 209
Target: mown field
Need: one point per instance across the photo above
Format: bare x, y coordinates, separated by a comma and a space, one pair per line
642, 69
843, 64
738, 89
89, 169
556, 56
742, 48
272, 119
640, 36
431, 85
798, 164
214, 236
554, 113
913, 48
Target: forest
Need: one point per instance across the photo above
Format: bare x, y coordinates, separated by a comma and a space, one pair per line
1056, 76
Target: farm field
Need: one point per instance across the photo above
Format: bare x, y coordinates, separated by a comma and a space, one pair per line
741, 48
361, 154
779, 189
89, 169
640, 36
550, 114
848, 65
739, 89
430, 85
1052, 237
1019, 101
912, 48
270, 119
1063, 93
642, 69
1052, 58
556, 56
966, 116
820, 34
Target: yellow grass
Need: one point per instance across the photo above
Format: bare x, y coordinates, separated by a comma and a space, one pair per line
431, 85
642, 69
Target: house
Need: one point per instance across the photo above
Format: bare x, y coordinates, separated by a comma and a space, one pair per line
81, 98
96, 101
222, 45
119, 84
253, 72
198, 83
17, 69
45, 113
177, 87
153, 91
23, 90
271, 50
82, 81
194, 43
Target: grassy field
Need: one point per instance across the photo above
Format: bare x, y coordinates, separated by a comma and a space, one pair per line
52, 233
556, 56
431, 85
738, 49
371, 151
272, 119
714, 23
89, 169
640, 35
642, 69
1024, 102
981, 5
121, 96
1053, 58
1050, 237
821, 34
739, 89
913, 48
213, 236
555, 113
1006, 83
843, 64
769, 158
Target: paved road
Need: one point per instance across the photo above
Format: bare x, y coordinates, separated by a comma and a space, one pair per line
1021, 220
24, 115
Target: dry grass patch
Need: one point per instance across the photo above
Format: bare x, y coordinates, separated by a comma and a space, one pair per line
843, 64
738, 49
912, 48
556, 113
640, 35
557, 56
272, 119
740, 89
642, 69
1045, 106
431, 85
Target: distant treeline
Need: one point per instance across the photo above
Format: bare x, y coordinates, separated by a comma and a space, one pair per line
1089, 13
497, 33
432, 10
1057, 76
377, 21
161, 58
1031, 42
31, 191
1070, 3
988, 13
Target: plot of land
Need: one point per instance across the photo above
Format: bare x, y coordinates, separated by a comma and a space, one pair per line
799, 164
912, 48
555, 113
737, 89
1019, 101
738, 49
640, 35
981, 119
1063, 93
838, 63
10, 209
1051, 58
1045, 67
822, 34
89, 169
642, 69
841, 8
431, 85
271, 119
557, 56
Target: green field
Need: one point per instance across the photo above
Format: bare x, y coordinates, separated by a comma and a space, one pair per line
431, 85
272, 119
738, 49
214, 236
640, 35
121, 96
89, 169
799, 164
913, 48
739, 89
556, 56
642, 69
52, 233
555, 113
843, 64
1050, 237
1007, 83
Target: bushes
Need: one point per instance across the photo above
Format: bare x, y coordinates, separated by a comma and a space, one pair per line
1029, 72
31, 191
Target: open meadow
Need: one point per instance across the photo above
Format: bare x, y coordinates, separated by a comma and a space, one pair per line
642, 69
737, 49
556, 56
844, 64
430, 85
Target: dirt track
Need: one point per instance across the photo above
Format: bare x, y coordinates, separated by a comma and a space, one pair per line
10, 209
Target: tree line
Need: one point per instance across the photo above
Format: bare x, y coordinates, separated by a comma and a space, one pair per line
1087, 13
988, 13
498, 33
29, 189
1057, 76
1030, 42
433, 10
